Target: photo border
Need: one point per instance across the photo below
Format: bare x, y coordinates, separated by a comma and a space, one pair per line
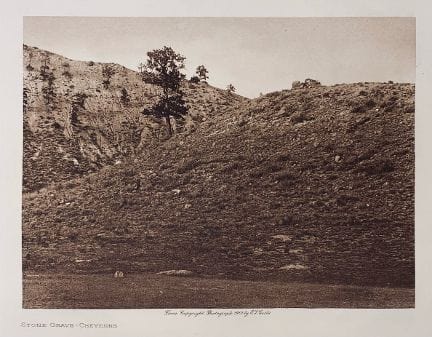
153, 322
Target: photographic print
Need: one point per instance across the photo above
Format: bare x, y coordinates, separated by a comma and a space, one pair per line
218, 162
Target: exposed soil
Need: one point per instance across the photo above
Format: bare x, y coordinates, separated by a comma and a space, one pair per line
75, 122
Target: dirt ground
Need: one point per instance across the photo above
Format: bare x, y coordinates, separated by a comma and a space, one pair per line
159, 291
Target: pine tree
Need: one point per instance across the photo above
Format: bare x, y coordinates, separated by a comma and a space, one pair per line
163, 69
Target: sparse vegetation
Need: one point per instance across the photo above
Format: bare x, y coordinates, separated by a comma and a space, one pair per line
124, 98
308, 83
48, 90
25, 98
187, 165
45, 70
78, 104
107, 73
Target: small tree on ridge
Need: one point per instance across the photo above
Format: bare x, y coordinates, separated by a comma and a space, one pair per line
202, 72
230, 89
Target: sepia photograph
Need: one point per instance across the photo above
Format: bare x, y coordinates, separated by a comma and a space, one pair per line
218, 162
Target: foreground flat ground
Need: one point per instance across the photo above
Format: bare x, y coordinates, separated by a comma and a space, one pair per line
142, 291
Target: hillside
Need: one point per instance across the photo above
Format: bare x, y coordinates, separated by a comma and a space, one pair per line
310, 184
78, 119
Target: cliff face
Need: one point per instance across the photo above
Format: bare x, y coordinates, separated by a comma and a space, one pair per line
79, 117
311, 184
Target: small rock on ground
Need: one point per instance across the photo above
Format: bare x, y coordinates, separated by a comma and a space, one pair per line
293, 266
180, 272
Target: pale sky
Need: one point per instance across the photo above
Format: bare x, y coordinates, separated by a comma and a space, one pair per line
256, 55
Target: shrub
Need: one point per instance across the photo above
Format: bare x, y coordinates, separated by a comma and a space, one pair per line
300, 117
358, 108
287, 220
73, 236
25, 98
107, 73
67, 74
78, 103
56, 126
389, 107
285, 177
283, 157
232, 166
48, 90
345, 199
274, 167
370, 103
256, 174
409, 109
296, 85
194, 79
125, 99
187, 165
380, 166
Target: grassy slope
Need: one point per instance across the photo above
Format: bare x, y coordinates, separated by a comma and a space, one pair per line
311, 185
